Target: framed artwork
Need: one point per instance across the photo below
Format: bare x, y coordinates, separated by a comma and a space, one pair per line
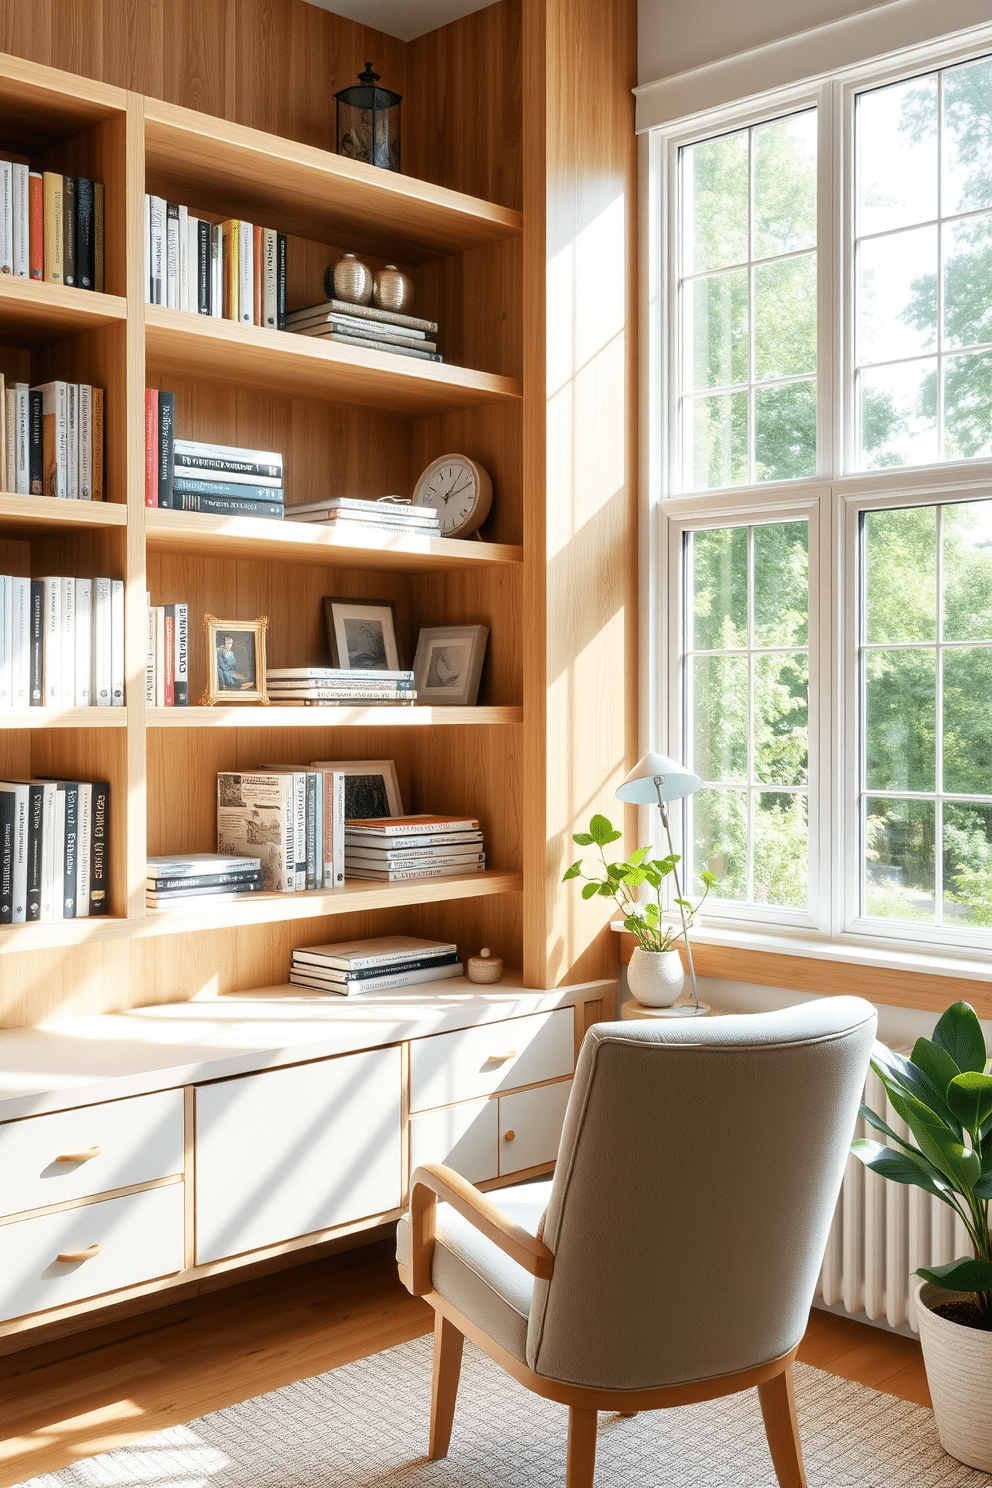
361, 634
448, 664
235, 661
370, 788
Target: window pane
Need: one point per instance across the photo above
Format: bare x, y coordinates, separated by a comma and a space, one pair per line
716, 330
715, 188
897, 155
781, 584
968, 281
968, 865
785, 431
781, 720
968, 721
901, 587
899, 415
719, 706
717, 436
781, 850
720, 840
899, 871
785, 317
900, 707
785, 185
968, 406
719, 588
967, 175
966, 532
897, 296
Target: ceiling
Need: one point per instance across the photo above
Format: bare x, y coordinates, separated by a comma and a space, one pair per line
405, 19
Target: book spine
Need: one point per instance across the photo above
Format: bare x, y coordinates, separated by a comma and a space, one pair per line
197, 452
36, 224
22, 232
246, 273
83, 849
67, 661
180, 614
20, 854
7, 817
148, 248
8, 412
69, 230
20, 642
98, 444
61, 437
83, 664
35, 827
155, 899
117, 642
99, 251
85, 442
99, 848
213, 474
338, 780
157, 235
149, 652
281, 282
227, 506
85, 235
72, 440
402, 875
171, 256
216, 271
368, 312
300, 827
37, 644
197, 486
256, 275
341, 695
6, 217
318, 829
270, 280
231, 272
166, 437
160, 656
22, 468
6, 641
52, 658
311, 829
168, 657
36, 451
101, 643
202, 267
370, 345
202, 881
372, 973
151, 446
53, 848
395, 979
436, 859
182, 253
70, 793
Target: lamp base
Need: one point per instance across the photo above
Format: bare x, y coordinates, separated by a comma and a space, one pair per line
634, 1009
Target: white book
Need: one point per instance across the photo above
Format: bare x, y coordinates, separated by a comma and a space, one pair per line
148, 248
160, 656
20, 641
6, 217
20, 866
58, 857
256, 817
50, 911
356, 986
22, 434
72, 440
117, 642
22, 238
149, 652
51, 630
84, 643
67, 623
198, 449
270, 278
6, 637
157, 233
10, 439
216, 271
246, 273
85, 442
84, 835
182, 299
193, 264
101, 643
3, 432
172, 257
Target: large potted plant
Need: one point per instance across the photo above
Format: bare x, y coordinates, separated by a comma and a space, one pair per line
655, 973
943, 1093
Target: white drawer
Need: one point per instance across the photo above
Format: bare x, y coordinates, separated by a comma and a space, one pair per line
140, 1237
471, 1062
535, 1118
296, 1150
132, 1141
465, 1137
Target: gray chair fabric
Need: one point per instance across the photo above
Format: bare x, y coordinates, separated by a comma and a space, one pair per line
697, 1176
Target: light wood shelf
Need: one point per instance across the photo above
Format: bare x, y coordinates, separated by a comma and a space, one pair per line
64, 718
46, 516
33, 312
333, 716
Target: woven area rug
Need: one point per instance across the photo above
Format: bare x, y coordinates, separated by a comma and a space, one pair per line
365, 1426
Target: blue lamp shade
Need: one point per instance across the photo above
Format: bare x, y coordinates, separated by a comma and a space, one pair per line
674, 781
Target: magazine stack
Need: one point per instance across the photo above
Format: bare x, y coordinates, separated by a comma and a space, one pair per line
354, 966
323, 687
354, 518
174, 882
396, 848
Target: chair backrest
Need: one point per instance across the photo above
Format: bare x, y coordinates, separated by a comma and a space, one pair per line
697, 1176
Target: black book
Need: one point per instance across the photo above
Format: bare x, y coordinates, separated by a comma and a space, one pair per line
85, 234
99, 845
8, 805
203, 881
252, 885
37, 643
180, 663
69, 229
166, 440
70, 789
36, 459
203, 267
412, 963
227, 506
36, 818
280, 281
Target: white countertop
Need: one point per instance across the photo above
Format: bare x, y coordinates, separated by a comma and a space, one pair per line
77, 1061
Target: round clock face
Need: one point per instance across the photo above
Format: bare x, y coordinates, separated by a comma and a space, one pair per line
460, 492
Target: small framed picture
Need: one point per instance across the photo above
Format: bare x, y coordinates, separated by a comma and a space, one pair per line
448, 664
370, 788
361, 634
235, 661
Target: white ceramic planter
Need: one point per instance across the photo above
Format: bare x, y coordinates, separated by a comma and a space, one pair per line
959, 1373
655, 977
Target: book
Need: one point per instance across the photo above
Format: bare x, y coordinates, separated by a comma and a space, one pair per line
6, 627
52, 642
117, 643
36, 225
195, 501
53, 229
18, 794
182, 297
202, 229
99, 901
348, 326
216, 271
157, 249
167, 655
256, 812
231, 275
389, 826
203, 486
339, 695
99, 268
179, 615
282, 279
98, 444
195, 881
54, 438
67, 626
434, 857
171, 256
402, 875
72, 439
246, 273
85, 233
84, 849
102, 662
352, 988
22, 232
339, 674
6, 217
342, 974
364, 841
270, 278
354, 528
256, 274
7, 853
83, 641
387, 508
158, 899
369, 312
85, 442
347, 339
151, 446
263, 466
22, 436
196, 865
69, 230
375, 951
36, 644
166, 435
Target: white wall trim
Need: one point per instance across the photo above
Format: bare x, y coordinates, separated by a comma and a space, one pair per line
809, 55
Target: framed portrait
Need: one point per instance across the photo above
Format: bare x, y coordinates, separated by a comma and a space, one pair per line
361, 634
235, 661
448, 664
370, 788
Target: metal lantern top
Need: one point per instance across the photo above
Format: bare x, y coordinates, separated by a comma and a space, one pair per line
368, 122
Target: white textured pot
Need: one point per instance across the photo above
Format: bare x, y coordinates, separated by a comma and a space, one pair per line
655, 977
959, 1373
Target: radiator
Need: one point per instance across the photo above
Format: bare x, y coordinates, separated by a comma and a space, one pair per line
882, 1232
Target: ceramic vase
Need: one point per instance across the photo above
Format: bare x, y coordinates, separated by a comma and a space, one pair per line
655, 978
959, 1373
349, 280
393, 290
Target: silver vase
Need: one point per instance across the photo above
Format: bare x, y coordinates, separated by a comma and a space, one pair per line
349, 280
393, 289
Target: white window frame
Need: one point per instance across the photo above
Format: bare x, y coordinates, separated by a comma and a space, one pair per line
832, 504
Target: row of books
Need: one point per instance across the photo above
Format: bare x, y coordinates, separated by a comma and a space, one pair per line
397, 848
232, 270
352, 516
54, 839
191, 475
327, 686
173, 882
167, 658
51, 440
291, 818
348, 967
51, 226
368, 326
61, 642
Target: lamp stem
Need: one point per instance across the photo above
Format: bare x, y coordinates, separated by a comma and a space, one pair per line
678, 890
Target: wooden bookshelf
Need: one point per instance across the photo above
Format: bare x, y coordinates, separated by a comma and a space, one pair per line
34, 312
46, 516
274, 717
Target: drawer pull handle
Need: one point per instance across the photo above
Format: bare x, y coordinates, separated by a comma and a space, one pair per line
509, 1136
84, 1156
79, 1255
502, 1058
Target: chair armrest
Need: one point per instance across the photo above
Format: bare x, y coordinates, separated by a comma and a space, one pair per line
436, 1181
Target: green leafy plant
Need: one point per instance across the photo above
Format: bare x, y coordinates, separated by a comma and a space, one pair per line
622, 881
943, 1093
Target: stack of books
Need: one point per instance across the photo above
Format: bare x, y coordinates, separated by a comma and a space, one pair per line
351, 516
51, 440
167, 657
61, 642
51, 226
292, 817
231, 270
396, 848
367, 325
175, 881
334, 686
220, 479
54, 840
353, 966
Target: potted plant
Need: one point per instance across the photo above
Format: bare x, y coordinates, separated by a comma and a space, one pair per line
655, 973
943, 1093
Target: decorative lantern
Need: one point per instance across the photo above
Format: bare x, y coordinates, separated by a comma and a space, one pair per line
369, 122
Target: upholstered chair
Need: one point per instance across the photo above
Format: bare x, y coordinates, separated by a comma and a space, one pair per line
673, 1256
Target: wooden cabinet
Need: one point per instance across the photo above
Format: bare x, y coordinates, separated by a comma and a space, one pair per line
454, 1067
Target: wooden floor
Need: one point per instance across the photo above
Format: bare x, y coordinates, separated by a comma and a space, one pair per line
96, 1390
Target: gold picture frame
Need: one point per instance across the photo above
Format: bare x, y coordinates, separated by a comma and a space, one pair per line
235, 661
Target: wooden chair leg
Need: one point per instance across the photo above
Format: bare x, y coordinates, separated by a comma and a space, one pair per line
447, 1367
581, 1448
778, 1407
